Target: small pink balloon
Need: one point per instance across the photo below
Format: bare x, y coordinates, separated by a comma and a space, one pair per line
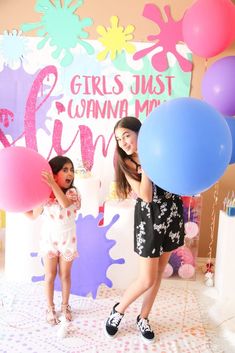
186, 271
21, 185
191, 229
168, 271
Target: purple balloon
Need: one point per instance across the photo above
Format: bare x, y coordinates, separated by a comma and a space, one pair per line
175, 261
218, 85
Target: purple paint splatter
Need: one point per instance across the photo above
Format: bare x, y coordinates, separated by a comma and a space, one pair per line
89, 269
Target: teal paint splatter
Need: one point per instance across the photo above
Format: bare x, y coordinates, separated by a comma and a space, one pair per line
61, 27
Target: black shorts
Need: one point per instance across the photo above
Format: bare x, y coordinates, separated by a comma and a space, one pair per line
159, 225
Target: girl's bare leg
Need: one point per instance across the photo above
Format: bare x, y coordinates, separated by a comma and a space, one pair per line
50, 265
65, 276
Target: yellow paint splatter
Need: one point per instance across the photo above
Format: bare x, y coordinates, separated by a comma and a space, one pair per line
115, 39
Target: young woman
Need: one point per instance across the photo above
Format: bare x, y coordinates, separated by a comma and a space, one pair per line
58, 241
159, 228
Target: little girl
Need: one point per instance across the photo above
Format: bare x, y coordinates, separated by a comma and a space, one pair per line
58, 242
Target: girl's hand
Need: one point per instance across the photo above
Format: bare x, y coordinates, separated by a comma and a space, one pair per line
59, 195
33, 214
48, 178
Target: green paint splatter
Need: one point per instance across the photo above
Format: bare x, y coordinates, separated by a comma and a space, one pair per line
61, 27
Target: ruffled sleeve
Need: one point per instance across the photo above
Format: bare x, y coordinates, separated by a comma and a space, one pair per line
75, 196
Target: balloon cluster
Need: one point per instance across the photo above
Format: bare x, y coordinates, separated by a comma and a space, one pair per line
181, 262
185, 145
208, 28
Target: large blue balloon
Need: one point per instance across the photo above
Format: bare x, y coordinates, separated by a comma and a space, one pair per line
184, 146
231, 123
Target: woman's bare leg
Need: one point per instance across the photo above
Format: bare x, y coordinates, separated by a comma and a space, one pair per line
146, 279
150, 294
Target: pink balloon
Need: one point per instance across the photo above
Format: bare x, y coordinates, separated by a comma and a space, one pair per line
186, 271
191, 229
21, 185
185, 254
209, 27
168, 271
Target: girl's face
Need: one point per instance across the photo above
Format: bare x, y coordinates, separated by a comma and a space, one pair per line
127, 140
65, 176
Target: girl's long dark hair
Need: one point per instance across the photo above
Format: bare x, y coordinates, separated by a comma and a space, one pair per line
57, 163
123, 187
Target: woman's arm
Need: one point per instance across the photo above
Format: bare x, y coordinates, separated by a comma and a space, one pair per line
143, 188
63, 200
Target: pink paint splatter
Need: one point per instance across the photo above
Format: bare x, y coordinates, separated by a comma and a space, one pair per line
170, 34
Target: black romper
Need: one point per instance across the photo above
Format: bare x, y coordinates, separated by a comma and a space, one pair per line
158, 225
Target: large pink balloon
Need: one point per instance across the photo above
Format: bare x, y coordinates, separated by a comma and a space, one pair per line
209, 27
21, 185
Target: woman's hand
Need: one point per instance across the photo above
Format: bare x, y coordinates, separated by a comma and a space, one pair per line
139, 170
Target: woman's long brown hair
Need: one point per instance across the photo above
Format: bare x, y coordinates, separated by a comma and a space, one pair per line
123, 187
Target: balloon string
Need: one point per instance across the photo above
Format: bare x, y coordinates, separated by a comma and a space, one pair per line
212, 224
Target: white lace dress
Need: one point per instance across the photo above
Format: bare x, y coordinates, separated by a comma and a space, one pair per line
59, 228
